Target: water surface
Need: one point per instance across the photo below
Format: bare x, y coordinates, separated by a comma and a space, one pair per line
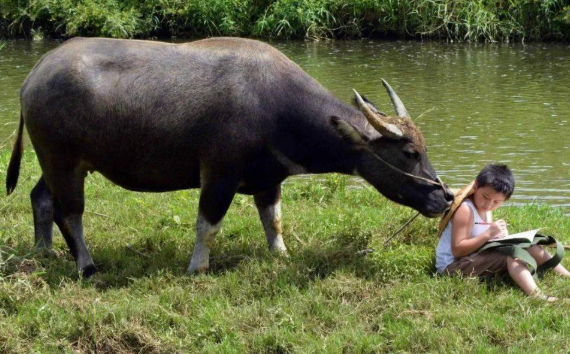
475, 103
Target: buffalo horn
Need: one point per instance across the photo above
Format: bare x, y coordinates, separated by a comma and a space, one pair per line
398, 105
386, 129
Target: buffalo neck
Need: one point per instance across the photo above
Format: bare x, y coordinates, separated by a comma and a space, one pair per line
306, 136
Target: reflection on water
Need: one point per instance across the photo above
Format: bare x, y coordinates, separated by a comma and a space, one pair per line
476, 103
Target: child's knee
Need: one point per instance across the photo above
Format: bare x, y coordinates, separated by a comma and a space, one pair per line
538, 253
514, 261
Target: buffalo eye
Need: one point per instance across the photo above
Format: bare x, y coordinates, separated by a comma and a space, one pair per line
412, 154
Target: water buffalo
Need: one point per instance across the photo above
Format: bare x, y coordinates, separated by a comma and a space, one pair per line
226, 115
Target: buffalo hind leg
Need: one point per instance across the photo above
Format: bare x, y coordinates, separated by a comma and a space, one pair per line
215, 199
269, 207
69, 203
42, 207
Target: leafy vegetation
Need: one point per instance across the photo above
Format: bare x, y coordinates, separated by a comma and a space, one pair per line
326, 297
459, 20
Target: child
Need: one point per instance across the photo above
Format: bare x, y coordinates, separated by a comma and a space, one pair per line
471, 225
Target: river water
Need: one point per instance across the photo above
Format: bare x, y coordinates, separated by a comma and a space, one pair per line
475, 103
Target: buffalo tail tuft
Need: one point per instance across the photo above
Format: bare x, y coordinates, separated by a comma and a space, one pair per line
15, 160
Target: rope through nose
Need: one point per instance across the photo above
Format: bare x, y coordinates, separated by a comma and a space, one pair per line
438, 183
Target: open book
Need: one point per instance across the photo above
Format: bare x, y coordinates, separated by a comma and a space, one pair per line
523, 236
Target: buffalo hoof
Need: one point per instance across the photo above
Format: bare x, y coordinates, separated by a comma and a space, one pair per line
48, 253
281, 252
278, 246
200, 261
196, 270
88, 271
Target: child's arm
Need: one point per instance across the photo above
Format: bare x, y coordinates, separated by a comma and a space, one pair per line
461, 226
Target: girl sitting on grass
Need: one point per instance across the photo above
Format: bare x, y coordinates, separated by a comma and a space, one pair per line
469, 225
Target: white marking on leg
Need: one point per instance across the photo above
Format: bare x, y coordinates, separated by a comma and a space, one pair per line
205, 233
271, 220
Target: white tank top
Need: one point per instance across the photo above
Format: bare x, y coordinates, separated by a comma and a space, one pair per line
443, 255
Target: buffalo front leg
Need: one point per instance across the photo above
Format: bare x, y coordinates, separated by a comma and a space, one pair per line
269, 207
42, 208
215, 199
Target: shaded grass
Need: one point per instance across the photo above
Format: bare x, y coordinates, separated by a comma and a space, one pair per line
470, 20
323, 298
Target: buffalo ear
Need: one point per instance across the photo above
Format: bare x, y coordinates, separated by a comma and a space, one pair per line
369, 104
349, 132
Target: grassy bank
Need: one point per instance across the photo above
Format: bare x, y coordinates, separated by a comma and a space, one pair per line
323, 298
462, 20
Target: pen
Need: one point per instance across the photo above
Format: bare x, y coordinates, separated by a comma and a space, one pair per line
482, 223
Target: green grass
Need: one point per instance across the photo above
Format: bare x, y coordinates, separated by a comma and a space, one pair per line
458, 20
323, 298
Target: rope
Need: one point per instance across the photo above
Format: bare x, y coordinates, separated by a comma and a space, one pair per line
400, 229
438, 183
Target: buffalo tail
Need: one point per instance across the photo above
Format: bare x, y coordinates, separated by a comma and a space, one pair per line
15, 160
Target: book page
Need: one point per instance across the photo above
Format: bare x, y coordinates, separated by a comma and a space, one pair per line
529, 235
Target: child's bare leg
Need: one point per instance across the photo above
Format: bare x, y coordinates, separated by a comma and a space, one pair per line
541, 256
521, 275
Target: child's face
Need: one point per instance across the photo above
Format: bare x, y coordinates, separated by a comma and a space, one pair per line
487, 199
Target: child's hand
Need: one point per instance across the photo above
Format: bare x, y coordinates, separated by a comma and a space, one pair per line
498, 229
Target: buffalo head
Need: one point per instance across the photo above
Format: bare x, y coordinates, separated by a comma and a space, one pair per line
389, 151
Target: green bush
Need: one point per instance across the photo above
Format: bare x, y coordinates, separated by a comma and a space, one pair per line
459, 20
